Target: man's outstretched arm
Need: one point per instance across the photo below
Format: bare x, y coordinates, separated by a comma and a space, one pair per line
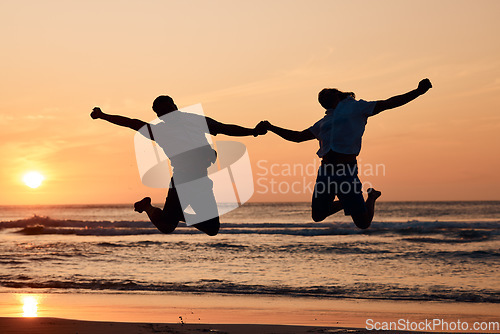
134, 124
290, 135
232, 130
399, 100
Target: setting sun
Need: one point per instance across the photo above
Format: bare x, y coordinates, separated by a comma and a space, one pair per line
30, 306
33, 179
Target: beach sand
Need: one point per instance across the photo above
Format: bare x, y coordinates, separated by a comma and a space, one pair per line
210, 313
63, 326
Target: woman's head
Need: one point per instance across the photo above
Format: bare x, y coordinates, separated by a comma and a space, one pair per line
330, 97
163, 104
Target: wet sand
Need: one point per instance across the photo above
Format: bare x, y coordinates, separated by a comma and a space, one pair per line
211, 313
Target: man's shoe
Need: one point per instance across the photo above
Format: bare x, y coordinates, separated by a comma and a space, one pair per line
142, 205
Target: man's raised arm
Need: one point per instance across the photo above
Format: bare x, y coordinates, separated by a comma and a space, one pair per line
399, 100
134, 124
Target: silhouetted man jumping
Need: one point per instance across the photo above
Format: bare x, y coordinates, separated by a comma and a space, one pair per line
179, 131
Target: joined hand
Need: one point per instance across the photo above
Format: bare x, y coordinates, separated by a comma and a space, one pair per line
261, 128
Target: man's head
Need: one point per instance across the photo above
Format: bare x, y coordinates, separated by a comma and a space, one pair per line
330, 97
163, 104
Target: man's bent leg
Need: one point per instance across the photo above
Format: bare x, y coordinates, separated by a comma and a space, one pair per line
210, 227
165, 220
202, 201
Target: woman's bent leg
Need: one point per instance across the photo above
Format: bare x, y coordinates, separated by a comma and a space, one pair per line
364, 220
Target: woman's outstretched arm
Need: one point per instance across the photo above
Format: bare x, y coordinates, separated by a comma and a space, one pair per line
290, 135
399, 100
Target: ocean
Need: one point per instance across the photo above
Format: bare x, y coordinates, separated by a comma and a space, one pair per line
420, 251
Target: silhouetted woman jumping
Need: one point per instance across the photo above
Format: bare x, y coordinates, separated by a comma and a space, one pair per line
339, 134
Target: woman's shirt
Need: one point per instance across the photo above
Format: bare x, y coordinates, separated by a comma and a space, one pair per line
342, 128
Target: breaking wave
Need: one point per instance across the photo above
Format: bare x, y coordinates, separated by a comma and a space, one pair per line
413, 231
357, 291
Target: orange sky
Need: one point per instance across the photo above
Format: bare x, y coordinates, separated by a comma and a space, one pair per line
248, 61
